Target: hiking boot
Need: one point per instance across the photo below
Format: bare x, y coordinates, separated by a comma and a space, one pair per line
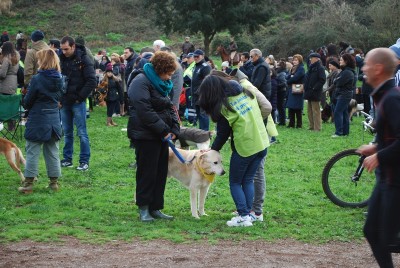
27, 188
83, 167
240, 221
53, 185
66, 163
159, 215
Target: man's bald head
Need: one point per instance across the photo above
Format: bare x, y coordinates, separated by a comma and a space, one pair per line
380, 65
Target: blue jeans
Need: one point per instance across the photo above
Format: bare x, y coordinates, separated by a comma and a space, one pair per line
70, 115
204, 120
341, 117
241, 176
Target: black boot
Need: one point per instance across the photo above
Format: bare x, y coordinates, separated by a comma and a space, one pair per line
159, 215
144, 214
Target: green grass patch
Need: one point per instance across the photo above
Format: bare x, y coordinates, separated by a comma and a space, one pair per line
98, 205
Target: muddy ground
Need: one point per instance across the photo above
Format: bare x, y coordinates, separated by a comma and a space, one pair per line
159, 253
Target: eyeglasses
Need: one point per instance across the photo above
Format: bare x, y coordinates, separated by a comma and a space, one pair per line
195, 56
253, 56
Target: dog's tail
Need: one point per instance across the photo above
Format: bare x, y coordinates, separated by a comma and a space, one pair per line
20, 157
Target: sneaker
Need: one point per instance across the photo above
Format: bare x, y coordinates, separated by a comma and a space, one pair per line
335, 136
240, 221
66, 163
255, 217
83, 167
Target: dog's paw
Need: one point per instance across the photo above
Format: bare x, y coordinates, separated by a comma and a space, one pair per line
196, 216
203, 214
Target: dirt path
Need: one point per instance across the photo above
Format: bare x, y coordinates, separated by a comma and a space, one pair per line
285, 253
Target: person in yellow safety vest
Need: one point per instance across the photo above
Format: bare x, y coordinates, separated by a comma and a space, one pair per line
188, 73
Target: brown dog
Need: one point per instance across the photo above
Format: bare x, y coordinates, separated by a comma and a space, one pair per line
13, 155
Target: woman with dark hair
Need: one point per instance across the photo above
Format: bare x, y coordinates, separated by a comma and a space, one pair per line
345, 84
9, 59
238, 116
295, 102
152, 121
9, 64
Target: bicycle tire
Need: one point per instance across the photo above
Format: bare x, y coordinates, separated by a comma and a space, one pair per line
337, 183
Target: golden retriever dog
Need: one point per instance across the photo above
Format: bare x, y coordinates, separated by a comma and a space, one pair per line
197, 176
13, 155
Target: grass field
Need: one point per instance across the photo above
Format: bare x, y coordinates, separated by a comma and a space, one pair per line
98, 205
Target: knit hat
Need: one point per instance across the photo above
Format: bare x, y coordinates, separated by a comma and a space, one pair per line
334, 63
37, 35
314, 55
198, 52
109, 67
396, 48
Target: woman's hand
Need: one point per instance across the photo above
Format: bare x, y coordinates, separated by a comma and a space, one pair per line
170, 135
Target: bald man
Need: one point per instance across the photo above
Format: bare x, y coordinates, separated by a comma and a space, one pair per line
382, 226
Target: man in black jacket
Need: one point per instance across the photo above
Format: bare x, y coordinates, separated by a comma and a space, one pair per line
79, 69
245, 64
383, 220
261, 77
313, 84
201, 70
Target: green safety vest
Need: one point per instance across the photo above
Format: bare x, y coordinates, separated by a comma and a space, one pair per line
189, 70
249, 133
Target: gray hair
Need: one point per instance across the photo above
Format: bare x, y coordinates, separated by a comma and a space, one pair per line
256, 51
159, 43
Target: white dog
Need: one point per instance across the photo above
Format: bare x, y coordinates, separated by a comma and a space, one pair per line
196, 176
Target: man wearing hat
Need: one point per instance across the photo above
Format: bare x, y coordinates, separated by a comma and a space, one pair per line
313, 85
201, 70
396, 50
31, 63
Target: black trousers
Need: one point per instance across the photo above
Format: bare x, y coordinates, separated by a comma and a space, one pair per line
383, 221
281, 101
151, 173
298, 113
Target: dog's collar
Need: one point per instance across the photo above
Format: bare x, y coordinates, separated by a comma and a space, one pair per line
208, 177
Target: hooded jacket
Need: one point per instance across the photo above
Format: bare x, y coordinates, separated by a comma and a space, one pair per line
31, 62
42, 99
8, 76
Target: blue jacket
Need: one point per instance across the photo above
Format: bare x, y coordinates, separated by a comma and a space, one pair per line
247, 68
295, 101
44, 93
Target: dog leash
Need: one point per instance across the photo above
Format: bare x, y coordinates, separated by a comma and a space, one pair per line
176, 152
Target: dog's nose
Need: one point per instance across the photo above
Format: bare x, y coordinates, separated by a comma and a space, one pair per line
223, 172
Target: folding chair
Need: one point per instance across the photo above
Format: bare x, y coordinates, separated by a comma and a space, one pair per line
11, 113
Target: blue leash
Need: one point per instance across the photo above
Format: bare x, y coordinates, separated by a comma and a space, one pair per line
176, 152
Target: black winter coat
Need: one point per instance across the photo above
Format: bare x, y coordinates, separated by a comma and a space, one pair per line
79, 68
387, 100
261, 77
152, 115
345, 83
314, 82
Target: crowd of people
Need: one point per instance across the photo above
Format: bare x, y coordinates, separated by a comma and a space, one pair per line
155, 87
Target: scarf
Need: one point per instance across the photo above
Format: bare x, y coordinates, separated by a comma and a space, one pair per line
164, 87
51, 73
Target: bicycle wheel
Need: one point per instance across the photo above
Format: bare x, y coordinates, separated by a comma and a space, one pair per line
338, 184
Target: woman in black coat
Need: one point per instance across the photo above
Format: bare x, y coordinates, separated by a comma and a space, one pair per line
345, 84
153, 121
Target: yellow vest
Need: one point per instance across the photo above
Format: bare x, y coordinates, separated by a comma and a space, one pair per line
249, 133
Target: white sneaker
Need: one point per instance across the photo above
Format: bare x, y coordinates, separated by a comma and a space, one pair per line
254, 217
240, 221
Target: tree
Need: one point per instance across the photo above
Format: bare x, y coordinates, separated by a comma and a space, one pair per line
209, 17
5, 6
